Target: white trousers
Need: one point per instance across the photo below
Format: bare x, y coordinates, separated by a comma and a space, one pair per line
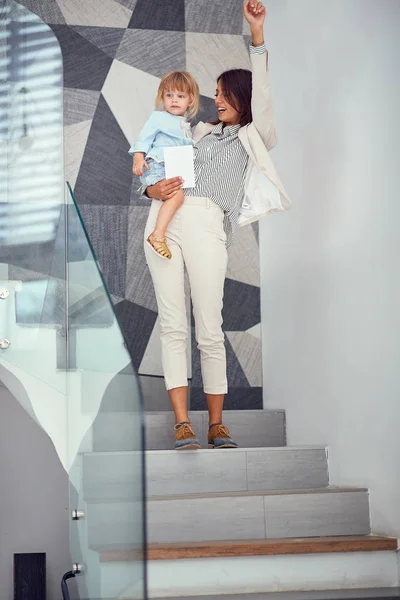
197, 240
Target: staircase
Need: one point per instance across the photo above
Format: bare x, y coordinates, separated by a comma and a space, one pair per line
262, 518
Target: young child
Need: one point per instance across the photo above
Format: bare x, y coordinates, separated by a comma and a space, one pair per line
177, 99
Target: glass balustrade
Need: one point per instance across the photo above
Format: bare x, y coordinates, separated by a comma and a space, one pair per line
105, 432
62, 352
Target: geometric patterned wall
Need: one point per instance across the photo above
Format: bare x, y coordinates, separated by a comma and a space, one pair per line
114, 53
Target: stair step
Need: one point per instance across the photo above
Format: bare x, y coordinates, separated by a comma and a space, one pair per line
171, 472
271, 547
108, 476
115, 431
369, 564
232, 516
365, 594
258, 515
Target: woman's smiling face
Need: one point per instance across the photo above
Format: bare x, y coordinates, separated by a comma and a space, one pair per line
226, 112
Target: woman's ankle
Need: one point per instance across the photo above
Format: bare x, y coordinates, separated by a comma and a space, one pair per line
182, 418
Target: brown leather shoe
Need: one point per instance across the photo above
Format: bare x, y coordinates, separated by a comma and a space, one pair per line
219, 436
185, 438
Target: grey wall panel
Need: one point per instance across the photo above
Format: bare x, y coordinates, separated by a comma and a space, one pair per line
145, 41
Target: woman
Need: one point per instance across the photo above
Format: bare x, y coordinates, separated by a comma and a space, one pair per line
236, 183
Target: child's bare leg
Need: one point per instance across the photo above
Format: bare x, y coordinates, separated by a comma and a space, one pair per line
165, 215
166, 212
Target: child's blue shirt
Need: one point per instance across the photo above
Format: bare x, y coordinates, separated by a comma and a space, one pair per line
160, 130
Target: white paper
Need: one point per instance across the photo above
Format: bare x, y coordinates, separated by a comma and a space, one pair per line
179, 162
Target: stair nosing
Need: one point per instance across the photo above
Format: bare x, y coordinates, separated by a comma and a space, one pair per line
249, 493
202, 450
257, 411
242, 494
242, 449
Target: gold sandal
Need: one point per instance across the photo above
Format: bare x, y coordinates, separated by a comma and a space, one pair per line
162, 249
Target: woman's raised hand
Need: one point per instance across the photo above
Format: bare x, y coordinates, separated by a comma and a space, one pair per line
164, 189
254, 13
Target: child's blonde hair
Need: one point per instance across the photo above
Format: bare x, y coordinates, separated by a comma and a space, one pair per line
182, 81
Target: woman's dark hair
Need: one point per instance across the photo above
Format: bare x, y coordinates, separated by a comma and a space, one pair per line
237, 86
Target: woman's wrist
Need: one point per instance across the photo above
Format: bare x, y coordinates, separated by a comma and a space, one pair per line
257, 36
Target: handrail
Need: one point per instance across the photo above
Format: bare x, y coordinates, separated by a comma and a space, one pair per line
64, 585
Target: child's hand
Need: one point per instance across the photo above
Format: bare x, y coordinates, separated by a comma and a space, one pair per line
254, 13
138, 164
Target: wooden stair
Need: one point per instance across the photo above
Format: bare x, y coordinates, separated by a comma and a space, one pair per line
269, 547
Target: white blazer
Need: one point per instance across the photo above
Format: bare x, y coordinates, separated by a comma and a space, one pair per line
264, 191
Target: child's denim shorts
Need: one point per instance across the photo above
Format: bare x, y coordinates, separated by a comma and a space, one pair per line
155, 174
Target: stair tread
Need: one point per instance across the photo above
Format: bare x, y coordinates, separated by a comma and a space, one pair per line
263, 547
248, 493
243, 449
325, 490
204, 412
339, 594
207, 450
230, 494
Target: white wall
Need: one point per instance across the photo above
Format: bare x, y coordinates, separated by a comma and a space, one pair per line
330, 273
34, 512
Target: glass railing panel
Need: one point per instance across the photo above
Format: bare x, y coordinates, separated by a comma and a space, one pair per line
32, 283
61, 340
106, 469
32, 219
33, 317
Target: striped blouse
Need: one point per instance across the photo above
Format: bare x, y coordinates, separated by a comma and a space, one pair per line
220, 163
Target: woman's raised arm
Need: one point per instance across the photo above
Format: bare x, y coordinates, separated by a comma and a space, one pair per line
254, 13
261, 103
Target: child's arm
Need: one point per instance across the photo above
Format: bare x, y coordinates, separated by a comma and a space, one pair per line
147, 135
138, 163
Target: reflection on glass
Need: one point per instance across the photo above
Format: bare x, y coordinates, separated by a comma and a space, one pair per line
106, 468
32, 220
66, 348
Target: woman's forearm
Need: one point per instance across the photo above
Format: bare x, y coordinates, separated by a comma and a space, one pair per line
257, 36
261, 104
149, 191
